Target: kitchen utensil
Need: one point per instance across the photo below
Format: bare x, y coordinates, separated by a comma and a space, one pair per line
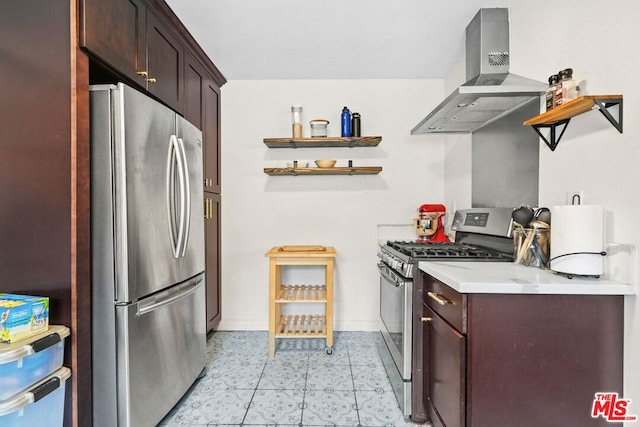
543, 214
523, 215
325, 163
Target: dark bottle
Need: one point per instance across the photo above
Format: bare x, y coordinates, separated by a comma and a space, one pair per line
355, 124
346, 122
551, 92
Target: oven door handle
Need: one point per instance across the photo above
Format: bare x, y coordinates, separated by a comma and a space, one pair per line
388, 274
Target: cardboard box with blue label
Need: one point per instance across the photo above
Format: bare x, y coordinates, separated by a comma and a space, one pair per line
22, 316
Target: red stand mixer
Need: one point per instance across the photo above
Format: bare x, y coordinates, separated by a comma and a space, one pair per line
429, 223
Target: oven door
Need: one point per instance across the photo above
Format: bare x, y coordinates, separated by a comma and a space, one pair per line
395, 311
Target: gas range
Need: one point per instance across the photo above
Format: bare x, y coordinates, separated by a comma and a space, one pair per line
481, 235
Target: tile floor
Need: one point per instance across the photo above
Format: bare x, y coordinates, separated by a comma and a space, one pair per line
300, 386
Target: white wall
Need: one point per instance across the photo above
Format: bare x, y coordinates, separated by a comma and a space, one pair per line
261, 211
599, 40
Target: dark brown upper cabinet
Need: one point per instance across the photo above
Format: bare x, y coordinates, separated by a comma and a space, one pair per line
165, 64
115, 32
129, 37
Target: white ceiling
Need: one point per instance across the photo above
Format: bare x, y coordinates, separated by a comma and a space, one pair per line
331, 39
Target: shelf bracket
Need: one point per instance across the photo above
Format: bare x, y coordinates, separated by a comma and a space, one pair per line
604, 105
552, 138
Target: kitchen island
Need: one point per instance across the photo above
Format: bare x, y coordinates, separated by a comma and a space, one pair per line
499, 344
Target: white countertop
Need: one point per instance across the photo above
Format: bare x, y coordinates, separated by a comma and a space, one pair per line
511, 278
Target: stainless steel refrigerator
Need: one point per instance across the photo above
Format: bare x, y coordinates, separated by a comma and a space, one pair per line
148, 296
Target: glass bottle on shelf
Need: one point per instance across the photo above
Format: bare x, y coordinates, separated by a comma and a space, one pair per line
568, 87
551, 91
296, 113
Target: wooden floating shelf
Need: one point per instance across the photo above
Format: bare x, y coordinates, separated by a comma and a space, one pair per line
558, 118
302, 293
360, 170
296, 326
355, 141
572, 109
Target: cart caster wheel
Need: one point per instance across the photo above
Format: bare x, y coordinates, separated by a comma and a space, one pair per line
328, 351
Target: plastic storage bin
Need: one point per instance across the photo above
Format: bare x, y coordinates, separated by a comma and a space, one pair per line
40, 405
28, 361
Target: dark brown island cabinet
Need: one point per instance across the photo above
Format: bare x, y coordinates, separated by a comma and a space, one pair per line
505, 360
51, 52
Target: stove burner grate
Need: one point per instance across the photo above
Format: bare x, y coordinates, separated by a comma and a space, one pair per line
444, 250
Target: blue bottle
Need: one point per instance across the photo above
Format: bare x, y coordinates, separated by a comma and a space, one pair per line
346, 122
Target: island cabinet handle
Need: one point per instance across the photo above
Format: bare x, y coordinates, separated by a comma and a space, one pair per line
439, 299
426, 319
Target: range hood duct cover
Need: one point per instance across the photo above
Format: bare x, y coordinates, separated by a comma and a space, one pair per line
490, 92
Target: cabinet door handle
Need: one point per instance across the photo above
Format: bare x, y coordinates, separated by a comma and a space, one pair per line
439, 299
206, 208
142, 73
151, 80
426, 319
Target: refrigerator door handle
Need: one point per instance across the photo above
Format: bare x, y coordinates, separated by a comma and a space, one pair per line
174, 161
186, 200
154, 303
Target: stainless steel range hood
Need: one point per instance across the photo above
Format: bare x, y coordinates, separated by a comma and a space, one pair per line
491, 91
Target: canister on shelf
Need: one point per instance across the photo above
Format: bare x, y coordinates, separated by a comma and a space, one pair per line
296, 116
551, 91
566, 89
319, 128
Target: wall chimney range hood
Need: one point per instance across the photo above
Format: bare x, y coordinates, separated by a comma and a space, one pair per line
491, 92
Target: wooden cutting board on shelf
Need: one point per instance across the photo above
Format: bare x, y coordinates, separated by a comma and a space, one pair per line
302, 251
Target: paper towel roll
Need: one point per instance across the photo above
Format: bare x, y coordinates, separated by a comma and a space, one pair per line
577, 230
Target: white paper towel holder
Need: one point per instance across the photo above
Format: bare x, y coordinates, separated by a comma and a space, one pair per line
573, 253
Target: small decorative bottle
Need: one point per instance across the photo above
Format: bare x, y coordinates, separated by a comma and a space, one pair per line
355, 124
566, 88
346, 122
551, 91
296, 113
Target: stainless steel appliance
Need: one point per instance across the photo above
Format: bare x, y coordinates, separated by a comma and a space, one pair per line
148, 297
482, 234
491, 91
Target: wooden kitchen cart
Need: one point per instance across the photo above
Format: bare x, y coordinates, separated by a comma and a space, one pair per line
300, 326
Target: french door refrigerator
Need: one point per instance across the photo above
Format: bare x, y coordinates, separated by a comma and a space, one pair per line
148, 297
